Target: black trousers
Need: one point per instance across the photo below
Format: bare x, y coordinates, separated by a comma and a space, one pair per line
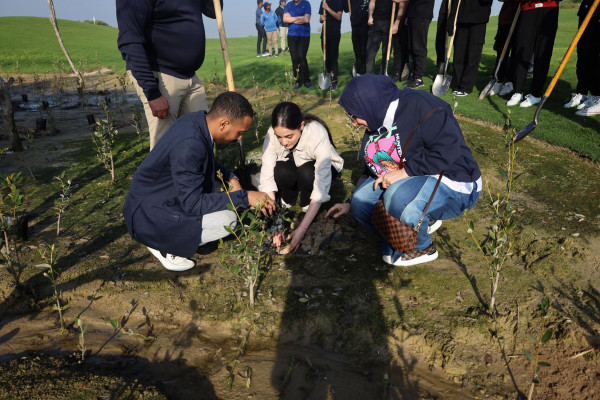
588, 58
440, 38
262, 36
400, 47
298, 46
468, 44
417, 44
378, 35
292, 180
332, 49
499, 42
359, 44
535, 36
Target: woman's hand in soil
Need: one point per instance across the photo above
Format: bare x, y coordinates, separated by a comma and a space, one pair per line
388, 179
278, 238
338, 210
295, 239
261, 201
159, 107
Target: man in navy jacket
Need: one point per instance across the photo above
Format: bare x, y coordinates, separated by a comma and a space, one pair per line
173, 205
163, 44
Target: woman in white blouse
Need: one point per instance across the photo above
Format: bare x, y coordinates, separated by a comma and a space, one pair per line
298, 158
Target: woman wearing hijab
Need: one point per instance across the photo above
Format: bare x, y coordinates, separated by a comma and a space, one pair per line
389, 116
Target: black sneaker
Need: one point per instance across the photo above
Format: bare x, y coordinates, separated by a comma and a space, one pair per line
414, 83
308, 84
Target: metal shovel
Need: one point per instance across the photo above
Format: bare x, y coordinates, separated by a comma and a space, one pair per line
492, 82
442, 82
324, 77
529, 128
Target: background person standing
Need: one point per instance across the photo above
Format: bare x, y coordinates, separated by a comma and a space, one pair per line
164, 75
297, 14
418, 17
334, 10
380, 15
283, 26
360, 29
260, 29
269, 21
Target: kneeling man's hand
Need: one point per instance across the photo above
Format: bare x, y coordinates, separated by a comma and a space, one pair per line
338, 210
262, 201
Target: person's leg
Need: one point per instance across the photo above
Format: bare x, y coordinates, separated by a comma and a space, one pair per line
418, 29
523, 50
195, 99
461, 40
270, 42
174, 90
544, 44
440, 40
282, 36
303, 44
306, 181
583, 59
286, 178
293, 45
333, 51
593, 76
359, 43
213, 225
363, 201
258, 39
384, 28
373, 42
499, 42
473, 57
400, 49
263, 34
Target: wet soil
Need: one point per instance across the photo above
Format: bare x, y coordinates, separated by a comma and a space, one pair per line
367, 331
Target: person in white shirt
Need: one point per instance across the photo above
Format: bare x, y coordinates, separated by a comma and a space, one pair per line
298, 158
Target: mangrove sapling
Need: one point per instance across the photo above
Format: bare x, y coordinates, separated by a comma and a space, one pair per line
12, 205
545, 334
496, 246
248, 248
47, 253
81, 344
104, 139
120, 330
137, 118
63, 200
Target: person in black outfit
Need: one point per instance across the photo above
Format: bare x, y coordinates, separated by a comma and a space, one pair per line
473, 17
260, 29
380, 14
334, 10
360, 29
418, 16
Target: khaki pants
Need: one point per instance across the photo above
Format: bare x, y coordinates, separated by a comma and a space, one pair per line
272, 40
184, 96
283, 35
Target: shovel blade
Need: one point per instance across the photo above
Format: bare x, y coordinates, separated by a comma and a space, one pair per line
324, 81
486, 89
441, 85
523, 132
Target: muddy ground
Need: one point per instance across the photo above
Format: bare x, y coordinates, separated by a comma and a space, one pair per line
363, 331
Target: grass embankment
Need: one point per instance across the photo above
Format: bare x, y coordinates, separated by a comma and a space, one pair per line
33, 41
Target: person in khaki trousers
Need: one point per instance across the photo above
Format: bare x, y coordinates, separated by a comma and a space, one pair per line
162, 55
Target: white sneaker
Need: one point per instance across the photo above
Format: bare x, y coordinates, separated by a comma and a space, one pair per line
530, 100
414, 258
265, 54
515, 99
589, 100
434, 226
497, 88
507, 88
576, 99
171, 262
594, 109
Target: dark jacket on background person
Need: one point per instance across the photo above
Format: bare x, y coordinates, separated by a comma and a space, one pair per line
333, 25
420, 9
360, 12
585, 7
471, 12
162, 35
175, 186
279, 12
437, 145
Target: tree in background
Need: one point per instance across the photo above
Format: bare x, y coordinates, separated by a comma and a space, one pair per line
62, 45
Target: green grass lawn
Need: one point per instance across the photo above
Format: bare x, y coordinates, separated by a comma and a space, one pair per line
32, 41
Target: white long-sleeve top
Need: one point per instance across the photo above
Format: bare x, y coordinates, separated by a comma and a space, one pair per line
314, 145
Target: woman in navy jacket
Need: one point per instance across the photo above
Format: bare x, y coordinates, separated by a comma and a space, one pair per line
405, 179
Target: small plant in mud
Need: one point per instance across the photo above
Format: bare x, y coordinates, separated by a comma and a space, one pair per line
81, 345
64, 198
104, 139
355, 135
259, 106
137, 122
247, 374
544, 335
12, 219
251, 259
286, 85
496, 245
49, 256
120, 330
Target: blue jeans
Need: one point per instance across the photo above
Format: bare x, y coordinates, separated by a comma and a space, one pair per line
406, 199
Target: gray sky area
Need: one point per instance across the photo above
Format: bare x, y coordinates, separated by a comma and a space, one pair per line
237, 14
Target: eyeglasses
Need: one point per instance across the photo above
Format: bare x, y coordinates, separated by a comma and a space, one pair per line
351, 117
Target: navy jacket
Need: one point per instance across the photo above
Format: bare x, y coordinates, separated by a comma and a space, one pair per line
162, 35
175, 186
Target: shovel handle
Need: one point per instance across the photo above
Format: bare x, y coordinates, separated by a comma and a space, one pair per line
389, 49
224, 48
349, 8
324, 33
572, 46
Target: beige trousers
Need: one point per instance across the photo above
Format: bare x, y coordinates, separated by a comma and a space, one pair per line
184, 96
283, 35
272, 40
